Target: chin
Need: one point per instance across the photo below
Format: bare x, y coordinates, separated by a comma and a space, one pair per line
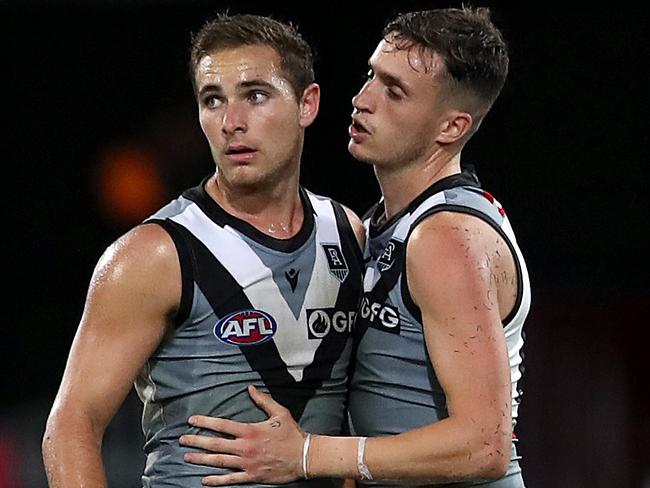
243, 177
357, 153
250, 184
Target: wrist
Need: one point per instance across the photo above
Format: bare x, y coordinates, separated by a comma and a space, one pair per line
306, 474
362, 467
333, 457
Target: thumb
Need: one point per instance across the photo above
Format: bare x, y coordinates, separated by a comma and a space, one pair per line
265, 402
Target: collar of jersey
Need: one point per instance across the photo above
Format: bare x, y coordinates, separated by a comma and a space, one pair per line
378, 222
219, 216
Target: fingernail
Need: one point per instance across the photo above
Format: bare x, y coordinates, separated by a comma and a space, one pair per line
191, 420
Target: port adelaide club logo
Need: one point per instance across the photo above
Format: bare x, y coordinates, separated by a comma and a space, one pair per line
336, 261
246, 328
387, 258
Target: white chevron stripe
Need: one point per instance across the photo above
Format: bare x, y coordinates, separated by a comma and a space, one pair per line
256, 280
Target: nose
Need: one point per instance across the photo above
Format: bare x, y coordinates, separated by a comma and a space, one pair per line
362, 101
234, 120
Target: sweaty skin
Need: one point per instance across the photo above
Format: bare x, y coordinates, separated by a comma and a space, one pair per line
410, 124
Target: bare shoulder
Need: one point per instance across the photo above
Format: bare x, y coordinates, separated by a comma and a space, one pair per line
143, 247
452, 257
357, 225
460, 236
143, 259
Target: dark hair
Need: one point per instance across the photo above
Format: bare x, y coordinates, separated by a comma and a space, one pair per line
473, 49
231, 31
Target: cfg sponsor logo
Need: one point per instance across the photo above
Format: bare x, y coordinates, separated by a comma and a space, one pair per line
379, 315
246, 328
322, 321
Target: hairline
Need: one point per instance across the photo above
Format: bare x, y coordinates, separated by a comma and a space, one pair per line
236, 45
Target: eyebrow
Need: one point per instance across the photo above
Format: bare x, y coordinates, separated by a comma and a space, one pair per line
255, 83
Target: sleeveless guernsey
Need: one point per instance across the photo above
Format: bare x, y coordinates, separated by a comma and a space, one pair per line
254, 310
394, 387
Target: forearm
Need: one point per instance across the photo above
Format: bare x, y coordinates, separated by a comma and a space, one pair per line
72, 454
441, 452
466, 445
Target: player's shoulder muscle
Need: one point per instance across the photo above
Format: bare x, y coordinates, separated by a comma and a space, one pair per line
144, 260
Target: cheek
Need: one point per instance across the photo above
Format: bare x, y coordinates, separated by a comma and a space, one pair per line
408, 125
204, 123
209, 125
279, 129
401, 136
393, 132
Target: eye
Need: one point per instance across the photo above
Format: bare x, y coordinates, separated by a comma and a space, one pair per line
212, 101
368, 76
257, 97
393, 93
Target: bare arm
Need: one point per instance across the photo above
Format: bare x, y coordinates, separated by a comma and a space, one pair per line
452, 262
134, 290
456, 265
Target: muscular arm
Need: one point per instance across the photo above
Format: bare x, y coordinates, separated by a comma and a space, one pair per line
133, 292
454, 265
462, 277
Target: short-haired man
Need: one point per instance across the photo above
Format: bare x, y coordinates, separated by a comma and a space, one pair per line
245, 279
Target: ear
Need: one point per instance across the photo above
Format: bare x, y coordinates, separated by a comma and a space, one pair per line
309, 103
454, 127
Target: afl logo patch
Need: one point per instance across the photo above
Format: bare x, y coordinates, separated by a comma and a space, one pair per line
246, 328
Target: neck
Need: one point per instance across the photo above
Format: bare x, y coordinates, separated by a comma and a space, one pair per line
274, 209
400, 186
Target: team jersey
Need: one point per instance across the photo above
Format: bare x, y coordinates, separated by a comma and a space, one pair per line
256, 310
394, 387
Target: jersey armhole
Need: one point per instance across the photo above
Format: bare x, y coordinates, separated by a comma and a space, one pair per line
175, 231
346, 233
349, 240
406, 295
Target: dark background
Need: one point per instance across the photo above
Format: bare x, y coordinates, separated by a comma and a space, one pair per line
90, 86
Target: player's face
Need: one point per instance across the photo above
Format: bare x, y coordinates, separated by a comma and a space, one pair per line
250, 115
396, 116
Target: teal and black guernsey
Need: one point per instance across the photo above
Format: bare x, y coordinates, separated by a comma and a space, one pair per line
394, 386
255, 310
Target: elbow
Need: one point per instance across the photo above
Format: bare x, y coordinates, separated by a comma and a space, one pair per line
66, 426
48, 443
494, 459
50, 434
495, 469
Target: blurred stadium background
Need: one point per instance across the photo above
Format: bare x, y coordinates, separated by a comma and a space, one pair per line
100, 129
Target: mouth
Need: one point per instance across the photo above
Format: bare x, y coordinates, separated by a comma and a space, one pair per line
359, 127
240, 152
357, 130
